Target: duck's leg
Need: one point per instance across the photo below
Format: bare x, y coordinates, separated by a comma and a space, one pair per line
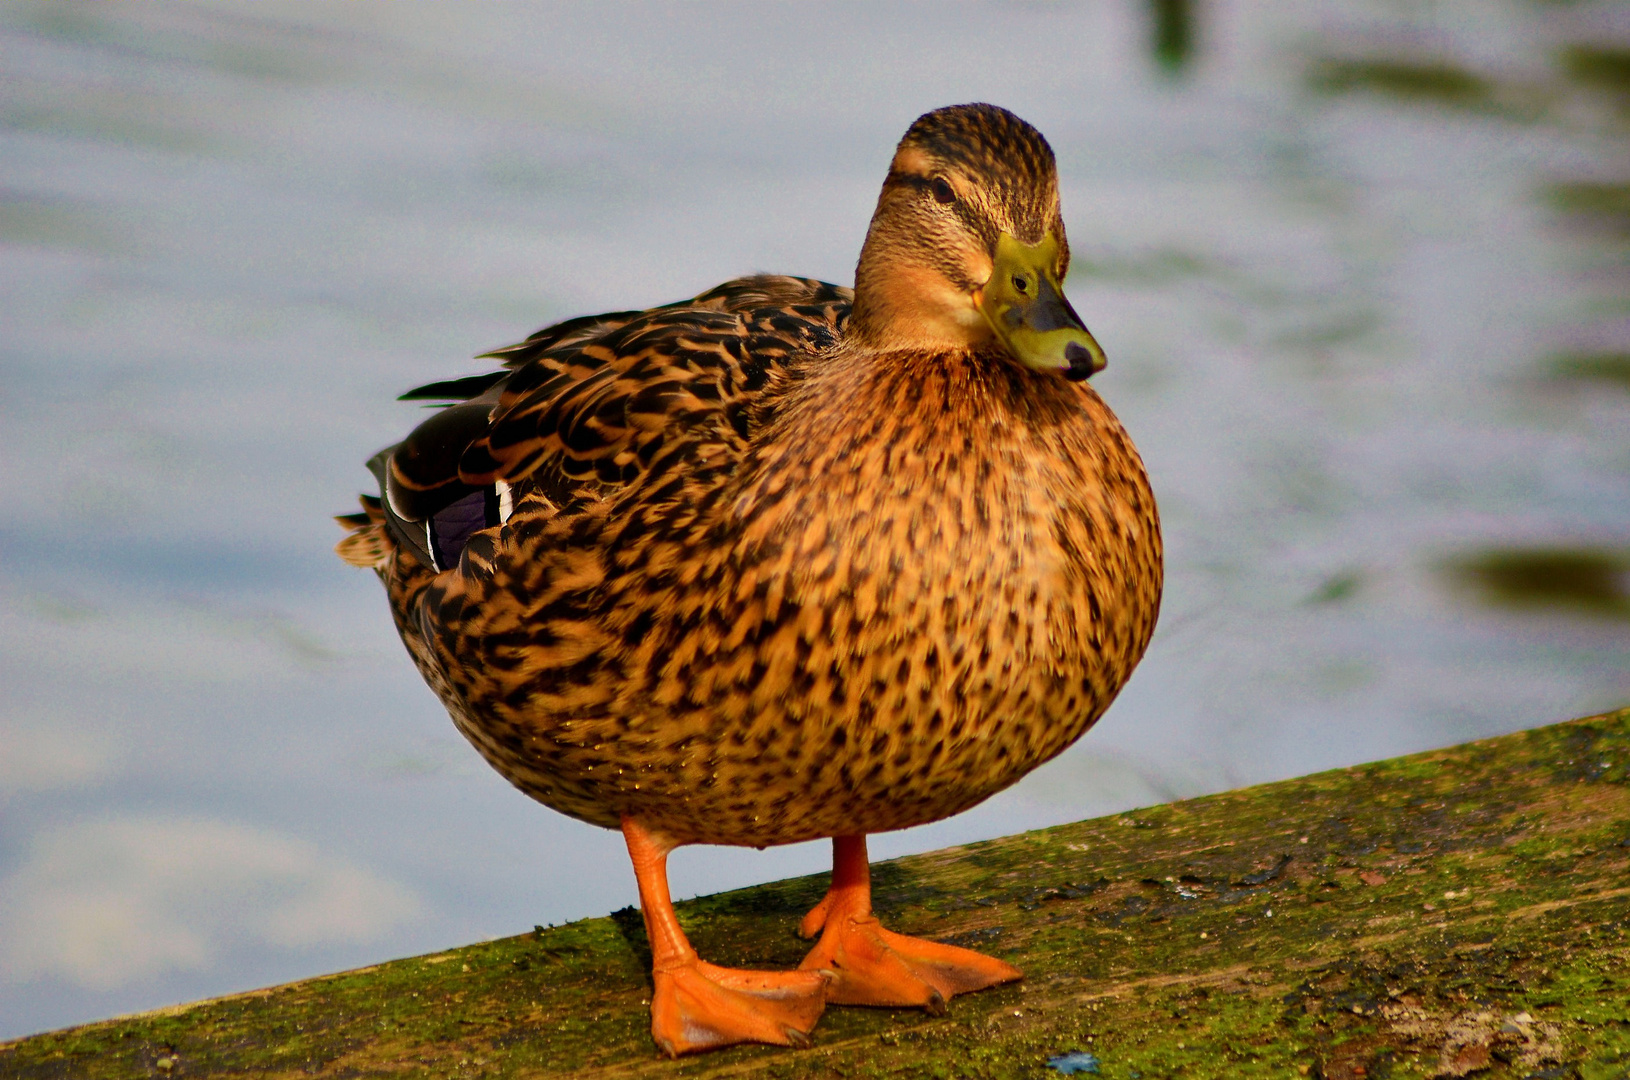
698, 1006
874, 966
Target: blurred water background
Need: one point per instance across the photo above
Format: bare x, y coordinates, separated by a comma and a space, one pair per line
1359, 267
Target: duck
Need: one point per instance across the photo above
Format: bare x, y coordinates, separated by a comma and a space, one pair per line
789, 561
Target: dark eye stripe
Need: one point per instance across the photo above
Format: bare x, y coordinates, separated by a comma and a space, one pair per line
910, 180
975, 221
937, 186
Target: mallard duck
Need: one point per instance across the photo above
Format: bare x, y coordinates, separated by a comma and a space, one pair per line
787, 561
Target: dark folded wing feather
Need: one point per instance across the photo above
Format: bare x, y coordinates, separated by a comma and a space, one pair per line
463, 389
603, 408
599, 400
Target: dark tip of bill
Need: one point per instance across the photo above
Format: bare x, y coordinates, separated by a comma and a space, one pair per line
1081, 364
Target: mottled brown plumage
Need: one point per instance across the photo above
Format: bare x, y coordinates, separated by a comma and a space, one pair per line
761, 575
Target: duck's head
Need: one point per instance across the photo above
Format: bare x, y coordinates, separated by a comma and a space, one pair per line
967, 246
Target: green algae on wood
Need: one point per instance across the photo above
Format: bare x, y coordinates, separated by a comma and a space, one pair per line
1460, 912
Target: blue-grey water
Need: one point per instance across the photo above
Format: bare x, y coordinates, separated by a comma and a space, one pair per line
1359, 268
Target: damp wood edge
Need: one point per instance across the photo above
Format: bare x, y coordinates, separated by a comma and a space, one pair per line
1461, 912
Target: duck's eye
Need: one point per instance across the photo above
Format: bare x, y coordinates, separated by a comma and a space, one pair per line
942, 191
1021, 283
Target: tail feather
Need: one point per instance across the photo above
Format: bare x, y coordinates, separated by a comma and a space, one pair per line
367, 542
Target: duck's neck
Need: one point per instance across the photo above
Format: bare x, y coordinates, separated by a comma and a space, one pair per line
923, 395
915, 310
904, 301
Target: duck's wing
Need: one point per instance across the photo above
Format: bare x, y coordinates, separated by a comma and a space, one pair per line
739, 295
603, 407
591, 405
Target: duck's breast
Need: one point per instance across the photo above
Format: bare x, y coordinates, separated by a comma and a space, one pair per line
942, 579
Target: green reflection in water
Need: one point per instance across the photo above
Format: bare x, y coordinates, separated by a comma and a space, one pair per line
1337, 588
126, 120
239, 44
1589, 580
1438, 82
1613, 368
1153, 268
1332, 330
1607, 202
1608, 68
1173, 33
37, 223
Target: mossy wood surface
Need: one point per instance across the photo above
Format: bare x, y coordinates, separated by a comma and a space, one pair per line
1460, 912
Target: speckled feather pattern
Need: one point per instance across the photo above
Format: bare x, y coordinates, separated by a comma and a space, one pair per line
760, 587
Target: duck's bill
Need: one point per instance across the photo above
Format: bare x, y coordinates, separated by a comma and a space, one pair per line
1024, 304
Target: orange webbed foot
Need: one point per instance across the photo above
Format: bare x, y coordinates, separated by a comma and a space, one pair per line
700, 1006
873, 966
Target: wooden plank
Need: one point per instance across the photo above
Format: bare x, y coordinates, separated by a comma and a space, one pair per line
1459, 912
